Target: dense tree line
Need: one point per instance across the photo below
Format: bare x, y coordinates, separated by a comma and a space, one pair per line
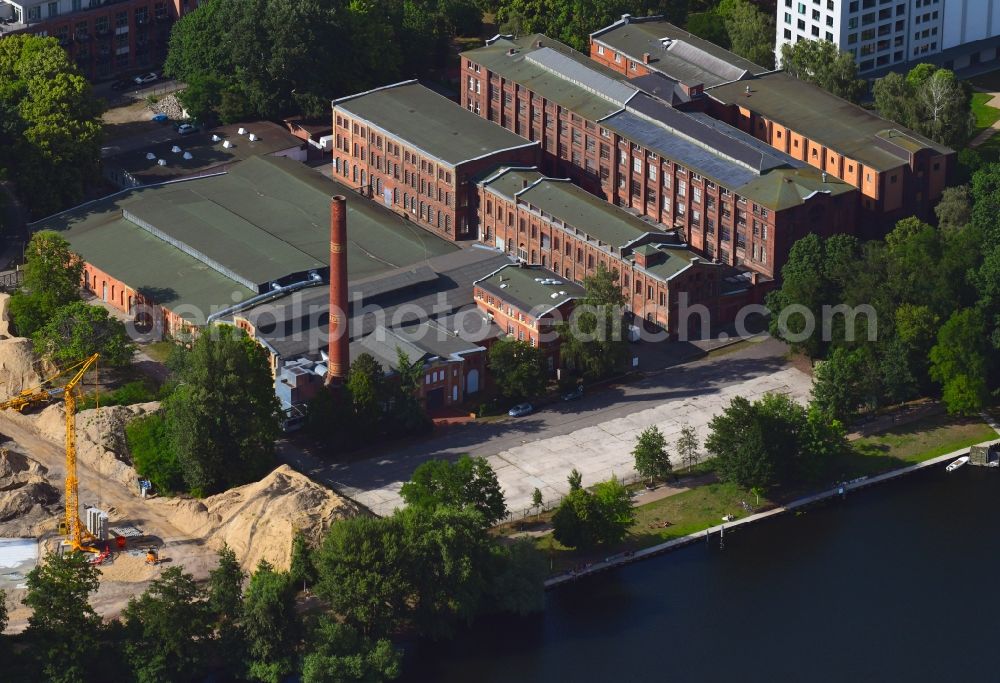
933, 298
50, 132
929, 100
740, 26
267, 58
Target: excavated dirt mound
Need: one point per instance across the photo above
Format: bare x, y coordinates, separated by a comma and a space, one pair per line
17, 366
100, 436
27, 499
259, 520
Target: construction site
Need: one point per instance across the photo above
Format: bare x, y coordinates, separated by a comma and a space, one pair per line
67, 484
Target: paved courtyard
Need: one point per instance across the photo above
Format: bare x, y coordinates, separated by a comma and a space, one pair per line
594, 434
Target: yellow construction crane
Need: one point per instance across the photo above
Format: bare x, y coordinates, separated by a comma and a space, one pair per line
29, 398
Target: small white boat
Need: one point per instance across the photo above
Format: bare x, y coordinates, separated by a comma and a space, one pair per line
955, 464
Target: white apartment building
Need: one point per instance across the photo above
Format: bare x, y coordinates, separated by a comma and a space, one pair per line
887, 34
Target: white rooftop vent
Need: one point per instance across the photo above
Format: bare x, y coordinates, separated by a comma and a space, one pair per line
253, 138
175, 149
162, 162
150, 156
241, 131
554, 295
503, 285
562, 292
539, 279
227, 144
216, 138
187, 155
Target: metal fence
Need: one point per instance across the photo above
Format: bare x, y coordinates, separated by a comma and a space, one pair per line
126, 97
11, 279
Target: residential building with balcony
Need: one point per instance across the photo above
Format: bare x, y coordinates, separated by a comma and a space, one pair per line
419, 153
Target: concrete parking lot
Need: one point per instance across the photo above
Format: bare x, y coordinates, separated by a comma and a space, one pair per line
595, 434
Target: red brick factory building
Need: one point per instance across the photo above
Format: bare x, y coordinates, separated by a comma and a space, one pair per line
419, 154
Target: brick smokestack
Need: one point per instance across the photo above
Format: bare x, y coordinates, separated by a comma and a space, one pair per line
339, 341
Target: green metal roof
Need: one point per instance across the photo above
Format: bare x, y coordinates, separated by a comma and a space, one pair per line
554, 87
507, 181
431, 122
155, 269
827, 119
531, 288
266, 214
592, 215
783, 188
675, 52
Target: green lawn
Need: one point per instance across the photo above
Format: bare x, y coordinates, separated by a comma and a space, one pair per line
912, 443
986, 115
159, 351
686, 513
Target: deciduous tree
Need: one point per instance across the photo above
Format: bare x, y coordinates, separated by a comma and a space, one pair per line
78, 330
687, 447
338, 653
518, 368
63, 629
961, 361
168, 629
53, 274
271, 625
468, 482
750, 31
223, 419
822, 63
50, 130
652, 460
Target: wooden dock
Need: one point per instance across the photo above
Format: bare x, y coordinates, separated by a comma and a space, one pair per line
718, 530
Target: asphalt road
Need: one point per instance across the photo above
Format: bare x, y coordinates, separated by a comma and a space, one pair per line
694, 389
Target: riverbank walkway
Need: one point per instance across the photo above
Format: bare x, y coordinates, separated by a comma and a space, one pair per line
719, 530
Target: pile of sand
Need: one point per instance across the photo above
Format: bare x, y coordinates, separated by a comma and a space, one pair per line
259, 520
17, 366
100, 437
26, 497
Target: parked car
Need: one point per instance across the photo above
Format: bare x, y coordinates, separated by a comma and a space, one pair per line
122, 84
573, 394
145, 78
187, 128
161, 118
521, 409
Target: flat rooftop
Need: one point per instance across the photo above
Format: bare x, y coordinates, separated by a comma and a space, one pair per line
531, 288
829, 120
440, 128
206, 154
265, 219
674, 52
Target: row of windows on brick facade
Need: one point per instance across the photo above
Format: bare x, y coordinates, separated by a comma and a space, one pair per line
759, 230
377, 140
405, 200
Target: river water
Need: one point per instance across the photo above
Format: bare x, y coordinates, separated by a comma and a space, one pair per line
898, 582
